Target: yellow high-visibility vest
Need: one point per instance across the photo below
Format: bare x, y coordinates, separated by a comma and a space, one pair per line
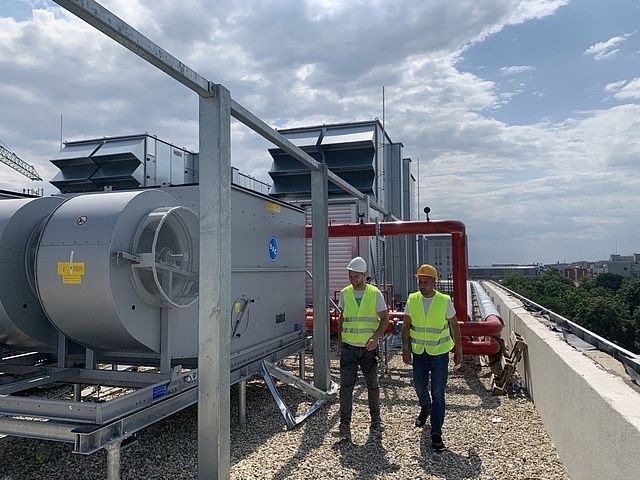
429, 332
359, 323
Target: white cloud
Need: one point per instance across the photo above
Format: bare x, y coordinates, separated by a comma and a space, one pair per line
525, 192
515, 69
623, 90
604, 50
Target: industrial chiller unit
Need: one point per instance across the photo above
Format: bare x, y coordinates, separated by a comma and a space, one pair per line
101, 288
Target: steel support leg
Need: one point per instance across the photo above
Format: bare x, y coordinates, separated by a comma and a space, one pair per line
301, 357
77, 392
242, 403
320, 263
113, 460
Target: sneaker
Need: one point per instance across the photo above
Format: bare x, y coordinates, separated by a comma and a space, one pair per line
422, 418
344, 431
436, 442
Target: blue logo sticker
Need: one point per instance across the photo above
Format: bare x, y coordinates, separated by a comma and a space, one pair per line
273, 249
159, 391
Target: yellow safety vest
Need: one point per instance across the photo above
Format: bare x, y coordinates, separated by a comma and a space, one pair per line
359, 323
429, 332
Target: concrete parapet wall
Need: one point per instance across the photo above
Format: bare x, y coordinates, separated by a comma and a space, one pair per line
591, 415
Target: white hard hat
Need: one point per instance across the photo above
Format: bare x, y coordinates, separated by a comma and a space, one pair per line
357, 265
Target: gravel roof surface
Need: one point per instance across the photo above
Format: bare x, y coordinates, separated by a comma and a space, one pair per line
487, 437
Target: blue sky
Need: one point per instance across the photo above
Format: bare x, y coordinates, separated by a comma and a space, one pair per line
559, 79
523, 114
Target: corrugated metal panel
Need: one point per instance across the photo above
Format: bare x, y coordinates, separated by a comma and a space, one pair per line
341, 250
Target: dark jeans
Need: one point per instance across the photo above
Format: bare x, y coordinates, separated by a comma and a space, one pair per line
350, 359
435, 370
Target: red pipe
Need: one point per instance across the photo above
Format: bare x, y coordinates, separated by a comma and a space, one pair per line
458, 246
487, 328
480, 347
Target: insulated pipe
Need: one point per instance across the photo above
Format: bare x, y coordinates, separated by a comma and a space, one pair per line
453, 227
487, 308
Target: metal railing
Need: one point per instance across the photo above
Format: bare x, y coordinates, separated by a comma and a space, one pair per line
630, 360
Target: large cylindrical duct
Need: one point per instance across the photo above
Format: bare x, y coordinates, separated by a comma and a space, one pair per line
107, 264
23, 324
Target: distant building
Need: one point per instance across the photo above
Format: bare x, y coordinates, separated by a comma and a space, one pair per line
576, 274
502, 271
625, 265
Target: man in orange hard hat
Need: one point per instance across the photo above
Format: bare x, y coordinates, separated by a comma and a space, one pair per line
363, 320
427, 330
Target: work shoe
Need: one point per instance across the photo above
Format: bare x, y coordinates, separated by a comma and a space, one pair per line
344, 431
436, 442
376, 425
422, 418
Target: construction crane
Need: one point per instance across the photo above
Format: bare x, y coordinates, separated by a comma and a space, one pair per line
12, 160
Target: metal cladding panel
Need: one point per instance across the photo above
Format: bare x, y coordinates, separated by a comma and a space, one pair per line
341, 250
99, 307
23, 323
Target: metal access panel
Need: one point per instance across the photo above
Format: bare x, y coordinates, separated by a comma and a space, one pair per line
267, 276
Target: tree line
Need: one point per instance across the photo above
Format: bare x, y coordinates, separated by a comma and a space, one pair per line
608, 304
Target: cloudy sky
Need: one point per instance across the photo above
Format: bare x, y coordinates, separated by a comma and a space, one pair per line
523, 114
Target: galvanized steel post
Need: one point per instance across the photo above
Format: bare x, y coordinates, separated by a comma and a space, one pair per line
215, 285
320, 263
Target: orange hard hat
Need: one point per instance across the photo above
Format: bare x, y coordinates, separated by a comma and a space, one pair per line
427, 270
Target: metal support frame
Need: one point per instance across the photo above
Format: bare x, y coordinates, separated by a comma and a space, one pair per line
242, 403
320, 263
214, 439
216, 107
113, 460
269, 371
301, 364
165, 341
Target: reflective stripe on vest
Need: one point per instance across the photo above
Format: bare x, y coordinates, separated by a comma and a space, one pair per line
429, 332
359, 323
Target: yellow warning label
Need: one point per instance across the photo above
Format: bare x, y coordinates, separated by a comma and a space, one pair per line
273, 207
237, 307
71, 272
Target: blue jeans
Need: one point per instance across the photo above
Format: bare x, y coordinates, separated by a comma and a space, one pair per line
435, 370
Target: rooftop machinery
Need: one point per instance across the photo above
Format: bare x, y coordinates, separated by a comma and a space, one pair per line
114, 275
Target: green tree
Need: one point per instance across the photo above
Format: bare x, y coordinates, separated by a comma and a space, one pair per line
606, 317
629, 293
610, 281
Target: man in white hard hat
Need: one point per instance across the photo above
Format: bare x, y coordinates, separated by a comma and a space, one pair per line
429, 323
364, 318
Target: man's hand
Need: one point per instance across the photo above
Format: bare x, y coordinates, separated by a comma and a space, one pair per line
406, 356
372, 343
457, 356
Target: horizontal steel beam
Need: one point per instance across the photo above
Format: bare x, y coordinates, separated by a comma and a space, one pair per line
56, 432
46, 378
112, 26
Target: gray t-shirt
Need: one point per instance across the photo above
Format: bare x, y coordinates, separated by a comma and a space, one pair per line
381, 306
426, 303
